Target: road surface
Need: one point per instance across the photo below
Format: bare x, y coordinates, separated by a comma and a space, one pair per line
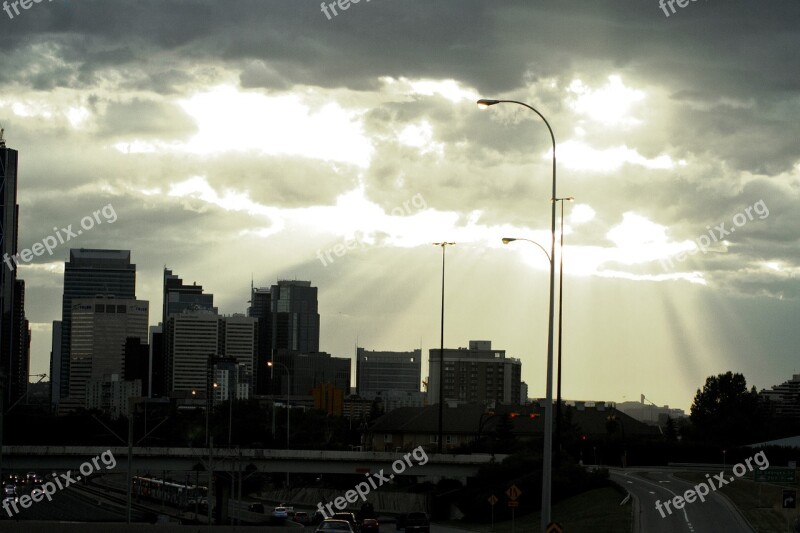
713, 515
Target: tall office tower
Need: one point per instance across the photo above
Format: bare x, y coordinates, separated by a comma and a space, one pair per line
294, 327
475, 374
87, 274
192, 337
295, 320
100, 328
14, 335
238, 335
259, 309
386, 371
178, 296
21, 345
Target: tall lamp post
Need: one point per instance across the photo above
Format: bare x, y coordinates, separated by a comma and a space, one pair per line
547, 455
441, 355
560, 309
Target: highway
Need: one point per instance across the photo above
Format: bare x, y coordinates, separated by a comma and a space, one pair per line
713, 515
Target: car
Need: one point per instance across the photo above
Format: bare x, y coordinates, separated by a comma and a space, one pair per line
417, 523
280, 512
10, 490
256, 508
350, 518
370, 525
334, 526
301, 517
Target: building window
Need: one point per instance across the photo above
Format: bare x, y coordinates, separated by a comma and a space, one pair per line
387, 437
434, 439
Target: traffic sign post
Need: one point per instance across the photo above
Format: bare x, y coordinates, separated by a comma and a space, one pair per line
513, 493
554, 527
492, 501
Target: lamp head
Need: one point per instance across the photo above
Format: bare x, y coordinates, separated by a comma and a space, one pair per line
507, 240
483, 103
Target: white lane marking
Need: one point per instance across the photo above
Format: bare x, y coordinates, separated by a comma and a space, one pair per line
685, 514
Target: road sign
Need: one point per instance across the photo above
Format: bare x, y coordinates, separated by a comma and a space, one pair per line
554, 527
513, 503
775, 475
790, 499
492, 499
513, 492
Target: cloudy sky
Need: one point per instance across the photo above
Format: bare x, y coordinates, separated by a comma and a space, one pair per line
268, 139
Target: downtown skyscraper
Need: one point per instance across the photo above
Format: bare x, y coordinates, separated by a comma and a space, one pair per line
14, 331
89, 273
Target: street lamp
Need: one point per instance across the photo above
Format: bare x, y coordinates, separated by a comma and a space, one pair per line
441, 355
547, 455
560, 309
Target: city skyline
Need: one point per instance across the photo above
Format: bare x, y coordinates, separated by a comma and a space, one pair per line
234, 154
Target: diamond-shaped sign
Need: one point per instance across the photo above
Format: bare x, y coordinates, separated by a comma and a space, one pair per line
513, 492
492, 499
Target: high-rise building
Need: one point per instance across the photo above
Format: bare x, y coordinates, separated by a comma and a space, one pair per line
378, 372
111, 394
87, 274
14, 332
288, 323
179, 296
260, 309
475, 374
191, 338
295, 316
100, 330
238, 336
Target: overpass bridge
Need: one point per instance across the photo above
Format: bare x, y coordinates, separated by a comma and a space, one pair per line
62, 458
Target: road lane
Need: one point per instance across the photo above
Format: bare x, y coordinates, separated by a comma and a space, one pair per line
713, 515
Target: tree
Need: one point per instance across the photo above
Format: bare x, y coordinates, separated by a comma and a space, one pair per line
724, 411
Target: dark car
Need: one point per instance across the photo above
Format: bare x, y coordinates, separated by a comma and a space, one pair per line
417, 523
334, 526
350, 518
370, 525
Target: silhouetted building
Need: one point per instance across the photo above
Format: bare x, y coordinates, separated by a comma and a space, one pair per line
308, 370
260, 309
381, 372
137, 362
329, 399
288, 323
14, 331
87, 274
159, 372
100, 329
784, 399
475, 374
